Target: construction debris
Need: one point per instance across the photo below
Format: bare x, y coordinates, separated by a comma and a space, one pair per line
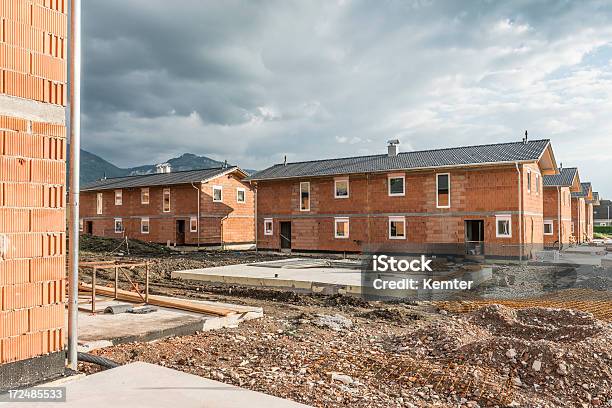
493, 356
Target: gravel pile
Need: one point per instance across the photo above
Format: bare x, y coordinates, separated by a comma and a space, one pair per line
494, 356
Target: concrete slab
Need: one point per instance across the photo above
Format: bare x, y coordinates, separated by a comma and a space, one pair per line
308, 275
153, 386
280, 274
102, 330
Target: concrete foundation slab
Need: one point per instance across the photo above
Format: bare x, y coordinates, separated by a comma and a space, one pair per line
104, 329
303, 275
152, 386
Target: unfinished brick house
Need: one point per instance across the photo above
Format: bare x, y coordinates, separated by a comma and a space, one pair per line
582, 213
32, 191
484, 199
163, 207
558, 206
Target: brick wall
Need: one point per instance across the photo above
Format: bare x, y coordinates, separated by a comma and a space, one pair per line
32, 178
227, 221
556, 201
578, 218
475, 194
589, 219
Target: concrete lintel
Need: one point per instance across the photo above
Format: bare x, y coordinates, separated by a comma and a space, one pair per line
32, 110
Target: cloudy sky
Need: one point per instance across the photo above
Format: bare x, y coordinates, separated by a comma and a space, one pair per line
252, 81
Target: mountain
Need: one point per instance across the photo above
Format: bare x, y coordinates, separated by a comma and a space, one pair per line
187, 161
94, 167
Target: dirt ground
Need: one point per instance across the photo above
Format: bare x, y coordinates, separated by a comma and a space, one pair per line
335, 351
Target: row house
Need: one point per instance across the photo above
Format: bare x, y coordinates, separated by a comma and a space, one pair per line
479, 200
558, 189
582, 213
208, 207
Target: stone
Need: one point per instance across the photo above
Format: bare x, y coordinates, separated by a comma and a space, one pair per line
537, 365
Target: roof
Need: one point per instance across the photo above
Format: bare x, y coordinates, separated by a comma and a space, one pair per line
584, 190
449, 157
565, 178
159, 179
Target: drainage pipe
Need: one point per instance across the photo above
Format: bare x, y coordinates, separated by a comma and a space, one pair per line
101, 361
559, 217
520, 215
74, 174
254, 187
198, 217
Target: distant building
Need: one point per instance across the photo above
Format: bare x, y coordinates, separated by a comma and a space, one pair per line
163, 207
602, 213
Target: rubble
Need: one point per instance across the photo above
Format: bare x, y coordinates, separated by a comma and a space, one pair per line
336, 351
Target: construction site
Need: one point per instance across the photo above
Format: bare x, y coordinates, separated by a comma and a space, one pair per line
521, 341
465, 274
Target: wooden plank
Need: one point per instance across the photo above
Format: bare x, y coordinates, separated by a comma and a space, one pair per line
160, 301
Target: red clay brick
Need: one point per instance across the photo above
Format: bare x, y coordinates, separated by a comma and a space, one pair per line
26, 245
47, 269
47, 220
17, 10
48, 171
13, 322
14, 220
43, 318
14, 169
21, 195
21, 144
21, 347
23, 295
12, 123
14, 271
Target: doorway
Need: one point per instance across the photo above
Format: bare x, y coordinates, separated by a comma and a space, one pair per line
89, 227
180, 232
474, 237
285, 234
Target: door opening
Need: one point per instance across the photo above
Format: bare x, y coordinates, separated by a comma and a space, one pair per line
285, 234
89, 227
180, 232
474, 237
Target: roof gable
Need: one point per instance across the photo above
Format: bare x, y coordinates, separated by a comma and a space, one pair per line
586, 191
567, 177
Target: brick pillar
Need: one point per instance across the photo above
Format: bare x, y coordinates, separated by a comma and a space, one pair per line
33, 41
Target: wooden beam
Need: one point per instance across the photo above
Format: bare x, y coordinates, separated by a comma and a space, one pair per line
160, 301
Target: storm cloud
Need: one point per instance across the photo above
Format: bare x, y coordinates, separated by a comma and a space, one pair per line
253, 81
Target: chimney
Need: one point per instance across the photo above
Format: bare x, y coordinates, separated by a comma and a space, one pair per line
225, 164
163, 168
285, 162
393, 148
526, 138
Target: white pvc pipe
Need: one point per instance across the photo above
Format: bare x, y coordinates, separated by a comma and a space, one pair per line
74, 174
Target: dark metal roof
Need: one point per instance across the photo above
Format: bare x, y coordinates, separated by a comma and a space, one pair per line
565, 178
456, 156
585, 187
159, 179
